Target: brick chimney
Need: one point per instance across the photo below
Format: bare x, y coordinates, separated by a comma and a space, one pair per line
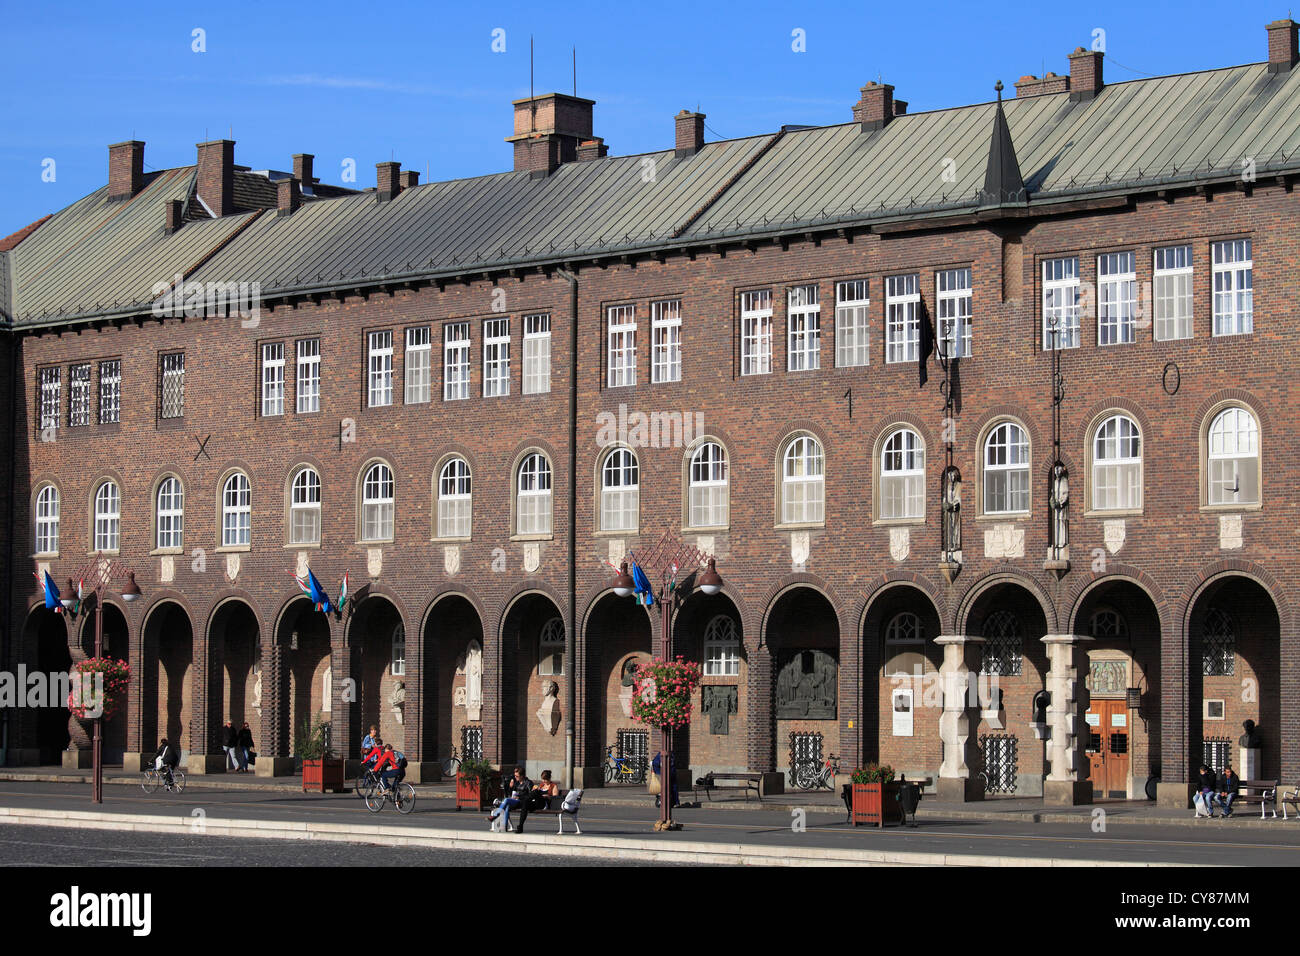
173, 209
1282, 50
590, 149
386, 176
876, 108
1085, 74
288, 196
408, 178
690, 133
1031, 85
549, 128
216, 179
302, 171
125, 170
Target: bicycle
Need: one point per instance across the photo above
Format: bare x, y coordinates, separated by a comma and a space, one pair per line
808, 774
623, 769
451, 764
366, 782
153, 779
402, 796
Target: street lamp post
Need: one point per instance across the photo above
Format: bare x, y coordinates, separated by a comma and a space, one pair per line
99, 574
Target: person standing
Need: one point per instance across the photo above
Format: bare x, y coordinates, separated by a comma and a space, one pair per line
230, 740
672, 779
244, 747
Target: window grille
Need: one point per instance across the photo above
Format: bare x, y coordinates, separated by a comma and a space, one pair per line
49, 383
1218, 645
79, 395
1000, 762
1216, 752
635, 745
1003, 645
110, 391
173, 385
805, 747
471, 743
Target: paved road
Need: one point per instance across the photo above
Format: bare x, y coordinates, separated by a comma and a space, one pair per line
1217, 842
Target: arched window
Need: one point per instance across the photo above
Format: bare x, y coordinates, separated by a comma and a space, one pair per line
1003, 645
47, 520
905, 628
170, 514
533, 504
1234, 458
304, 507
1006, 470
1117, 465
902, 476
620, 496
1219, 645
721, 648
108, 516
708, 497
1107, 625
377, 503
455, 499
550, 649
236, 511
803, 482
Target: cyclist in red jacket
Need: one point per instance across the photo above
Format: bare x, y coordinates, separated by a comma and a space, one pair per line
386, 767
373, 754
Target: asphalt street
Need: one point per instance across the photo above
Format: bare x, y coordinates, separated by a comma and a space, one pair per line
1217, 842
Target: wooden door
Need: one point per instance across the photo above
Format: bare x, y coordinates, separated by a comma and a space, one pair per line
1108, 748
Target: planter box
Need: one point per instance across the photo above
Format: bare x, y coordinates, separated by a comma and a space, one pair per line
322, 775
876, 804
469, 796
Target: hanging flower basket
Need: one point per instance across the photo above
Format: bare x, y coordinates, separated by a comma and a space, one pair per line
98, 687
661, 693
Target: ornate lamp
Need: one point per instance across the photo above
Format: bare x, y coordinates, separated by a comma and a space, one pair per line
623, 584
132, 590
710, 581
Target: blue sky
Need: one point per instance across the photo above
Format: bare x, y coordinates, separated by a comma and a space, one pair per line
423, 85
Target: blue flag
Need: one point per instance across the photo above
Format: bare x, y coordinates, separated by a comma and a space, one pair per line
641, 585
52, 595
318, 595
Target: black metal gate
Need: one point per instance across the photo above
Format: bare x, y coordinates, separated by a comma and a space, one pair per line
805, 749
635, 744
1000, 764
1216, 752
471, 743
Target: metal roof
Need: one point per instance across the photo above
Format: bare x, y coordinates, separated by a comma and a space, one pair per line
101, 258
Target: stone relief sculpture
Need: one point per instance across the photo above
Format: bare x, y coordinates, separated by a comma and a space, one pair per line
549, 712
474, 681
719, 702
807, 685
1060, 505
951, 514
397, 701
625, 695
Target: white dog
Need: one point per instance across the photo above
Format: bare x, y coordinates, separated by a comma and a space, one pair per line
572, 803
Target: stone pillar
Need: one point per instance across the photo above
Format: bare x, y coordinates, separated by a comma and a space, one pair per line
959, 750
274, 759
1067, 667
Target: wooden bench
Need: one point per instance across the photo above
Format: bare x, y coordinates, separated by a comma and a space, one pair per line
720, 780
1291, 797
1263, 792
554, 810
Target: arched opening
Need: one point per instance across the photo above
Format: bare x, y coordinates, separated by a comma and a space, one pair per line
167, 679
902, 705
1012, 668
707, 629
618, 641
1123, 742
115, 643
532, 619
378, 640
453, 680
234, 650
1234, 644
803, 636
306, 692
48, 633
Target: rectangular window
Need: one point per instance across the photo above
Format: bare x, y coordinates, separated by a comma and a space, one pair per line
1173, 293
173, 385
721, 659
1061, 303
621, 321
953, 296
381, 368
398, 667
851, 302
1116, 298
49, 381
1234, 296
455, 361
666, 341
79, 395
272, 379
496, 358
902, 318
419, 371
110, 391
308, 376
756, 332
804, 323
537, 353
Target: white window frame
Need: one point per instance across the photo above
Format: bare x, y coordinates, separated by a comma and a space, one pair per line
1061, 298
1233, 287
272, 379
756, 332
1006, 470
533, 505
537, 353
954, 300
110, 391
852, 323
378, 499
803, 328
803, 481
50, 389
47, 520
170, 515
666, 341
379, 353
172, 403
550, 649
902, 318
237, 511
397, 659
902, 476
1117, 298
455, 499
305, 507
108, 517
496, 357
620, 491
708, 502
79, 395
455, 361
620, 323
1232, 440
721, 647
308, 390
1172, 296
418, 365
1117, 477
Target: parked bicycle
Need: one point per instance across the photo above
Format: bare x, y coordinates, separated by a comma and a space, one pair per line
623, 769
811, 774
153, 779
402, 796
451, 764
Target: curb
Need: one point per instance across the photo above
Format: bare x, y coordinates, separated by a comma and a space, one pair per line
586, 845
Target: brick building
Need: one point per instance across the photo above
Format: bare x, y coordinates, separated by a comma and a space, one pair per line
474, 397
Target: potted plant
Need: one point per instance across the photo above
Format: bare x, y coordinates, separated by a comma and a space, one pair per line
321, 770
875, 795
476, 783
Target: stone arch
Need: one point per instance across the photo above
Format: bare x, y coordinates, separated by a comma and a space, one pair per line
977, 590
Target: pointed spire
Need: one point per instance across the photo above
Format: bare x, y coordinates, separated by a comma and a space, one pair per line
1003, 184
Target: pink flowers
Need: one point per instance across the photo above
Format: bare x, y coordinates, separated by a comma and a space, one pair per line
662, 692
